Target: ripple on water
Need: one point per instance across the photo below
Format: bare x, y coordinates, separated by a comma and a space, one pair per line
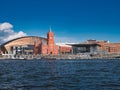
60, 75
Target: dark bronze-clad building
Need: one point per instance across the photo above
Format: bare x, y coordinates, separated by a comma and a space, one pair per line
85, 48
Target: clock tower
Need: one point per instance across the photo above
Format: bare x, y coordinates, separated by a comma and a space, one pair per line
50, 41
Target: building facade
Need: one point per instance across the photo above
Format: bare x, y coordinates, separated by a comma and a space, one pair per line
94, 47
85, 48
22, 45
106, 46
64, 48
34, 45
46, 48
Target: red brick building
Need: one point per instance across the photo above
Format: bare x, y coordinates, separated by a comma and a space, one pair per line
50, 48
107, 46
64, 48
46, 48
111, 47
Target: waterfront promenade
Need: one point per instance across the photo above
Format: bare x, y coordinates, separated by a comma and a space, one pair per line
61, 56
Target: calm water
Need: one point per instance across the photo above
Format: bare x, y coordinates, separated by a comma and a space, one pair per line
60, 75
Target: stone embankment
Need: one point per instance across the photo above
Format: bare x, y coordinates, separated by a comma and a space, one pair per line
60, 57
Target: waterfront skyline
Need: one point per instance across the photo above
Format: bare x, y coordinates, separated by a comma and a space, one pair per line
71, 21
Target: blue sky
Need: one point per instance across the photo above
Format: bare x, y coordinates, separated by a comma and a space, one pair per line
71, 20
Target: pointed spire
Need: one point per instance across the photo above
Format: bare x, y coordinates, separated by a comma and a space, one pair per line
50, 29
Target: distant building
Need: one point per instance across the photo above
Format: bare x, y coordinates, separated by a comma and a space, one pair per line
109, 47
85, 48
22, 45
50, 47
46, 48
94, 46
34, 45
64, 48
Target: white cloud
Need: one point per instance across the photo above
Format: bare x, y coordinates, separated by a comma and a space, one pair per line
7, 33
5, 26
